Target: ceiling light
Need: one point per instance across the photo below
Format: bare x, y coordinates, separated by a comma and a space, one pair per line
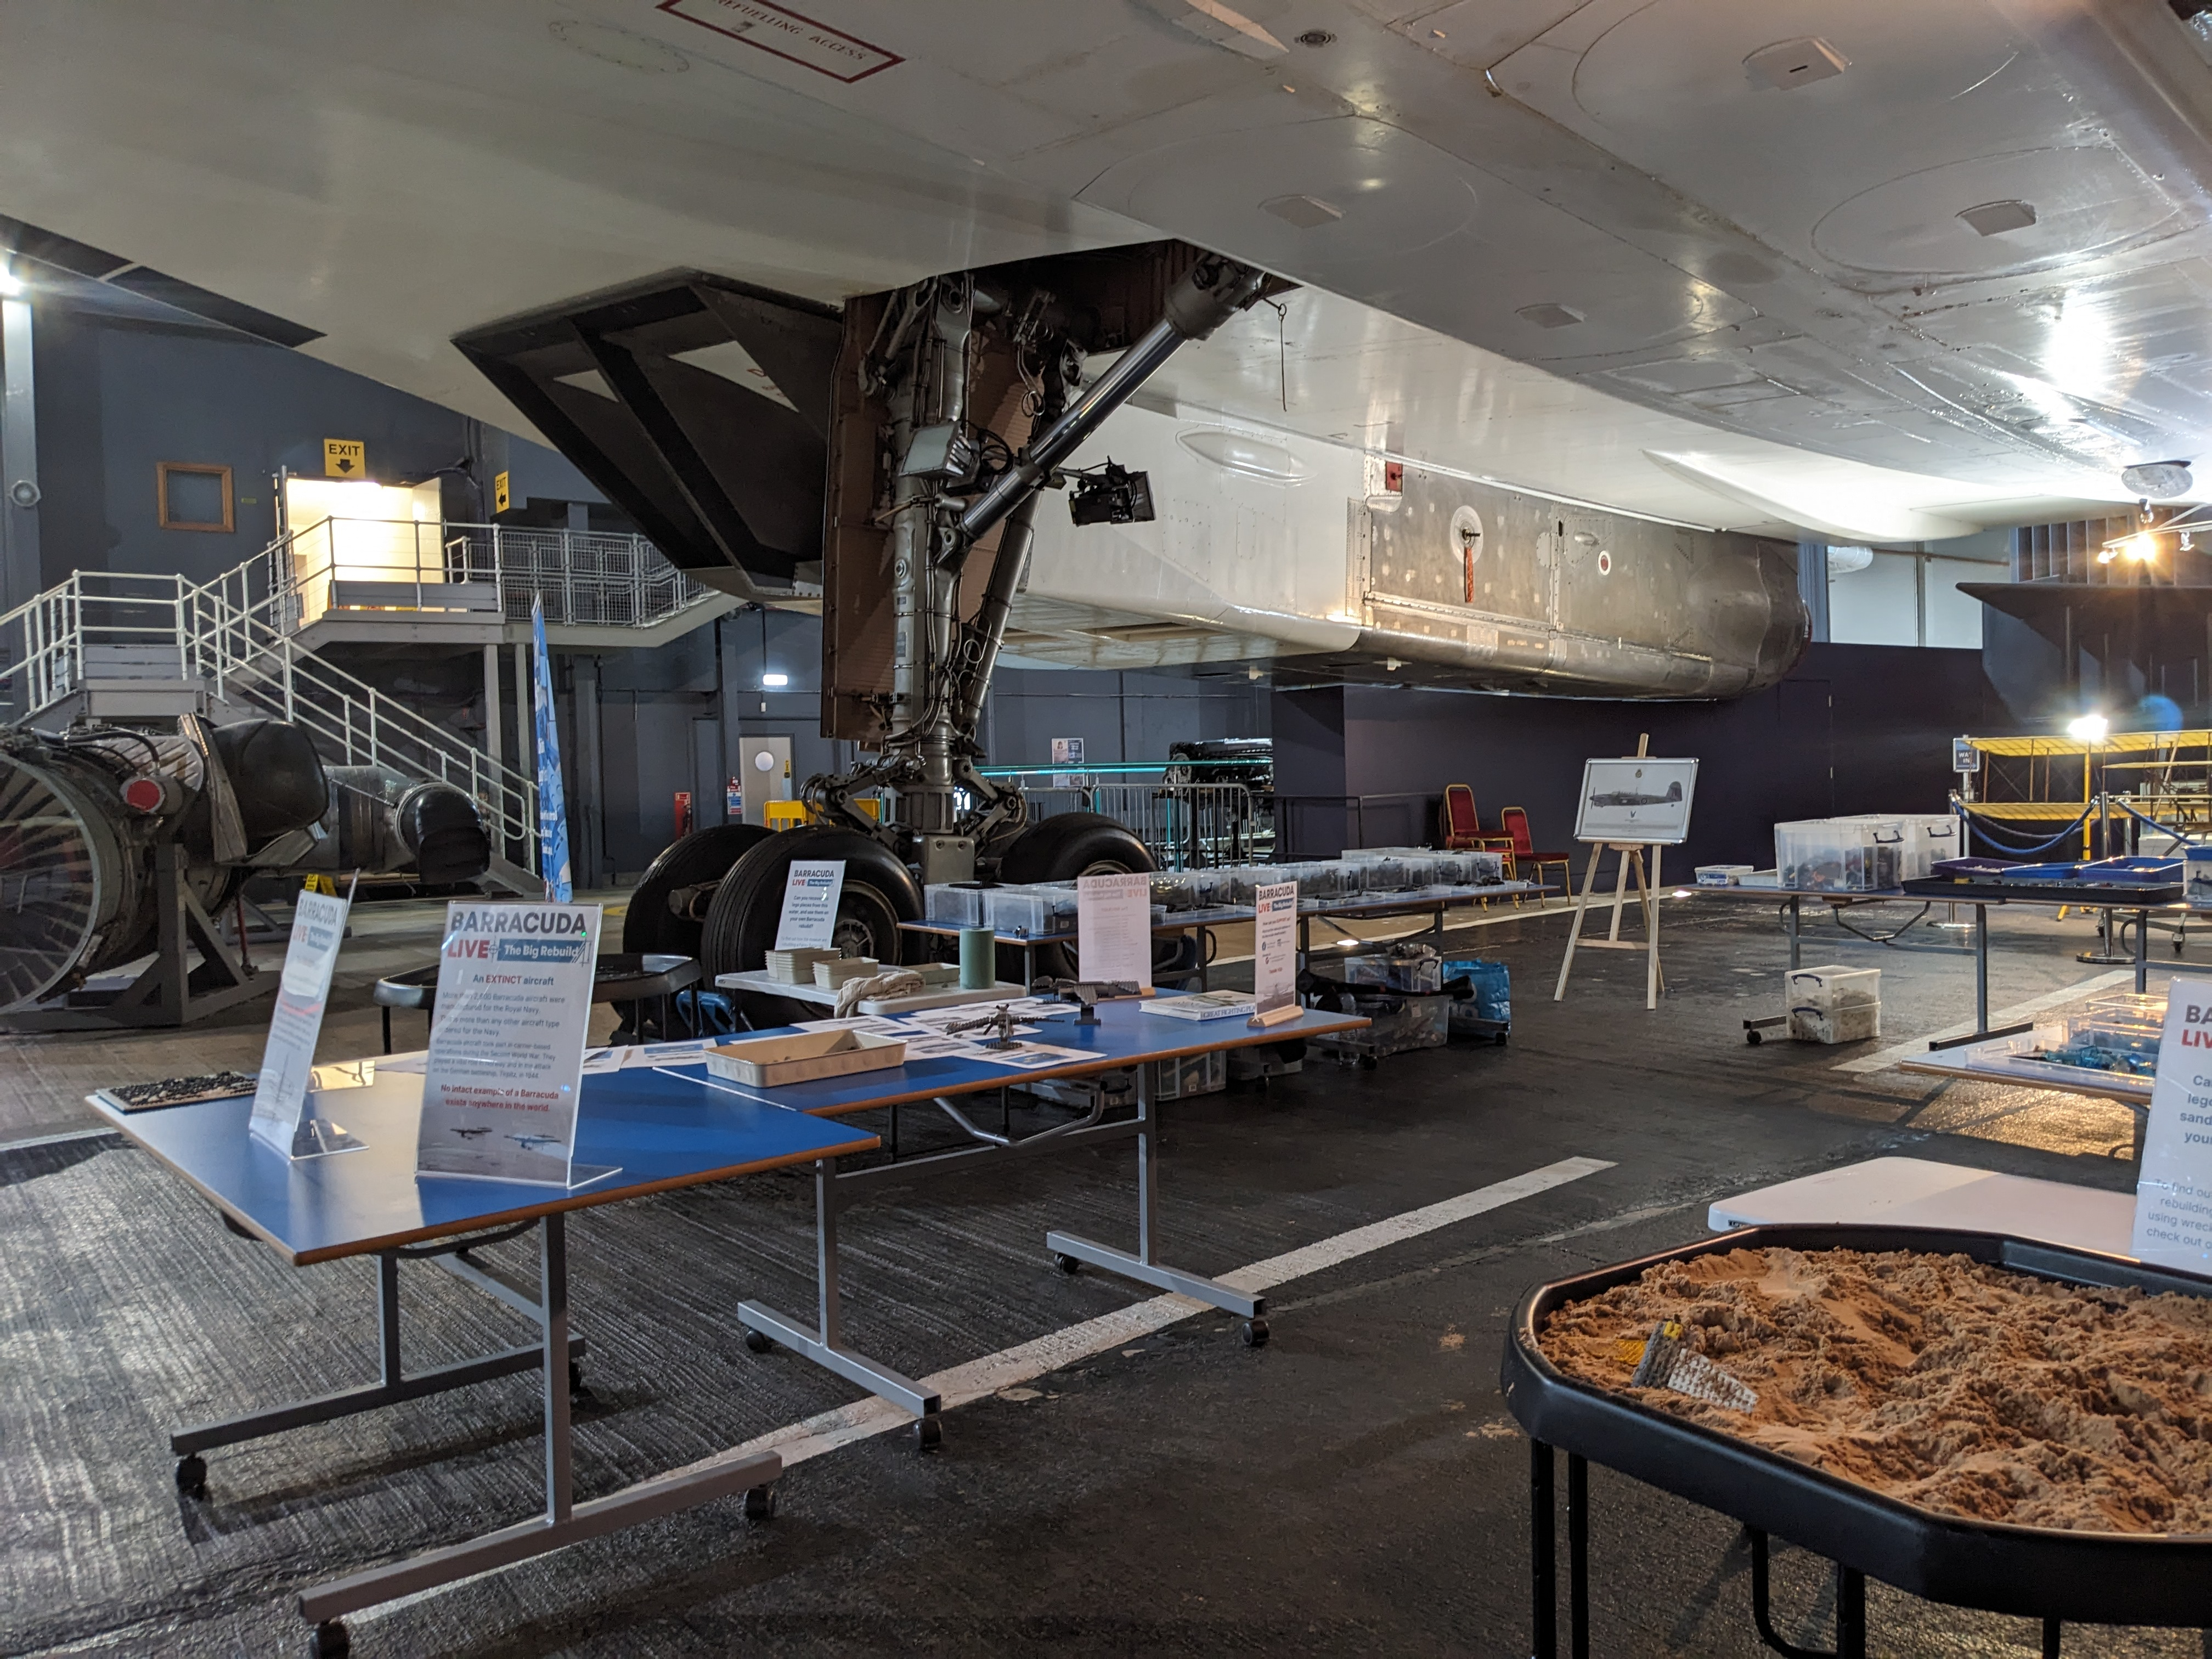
1996, 218
12, 285
771, 682
2089, 728
2140, 548
1795, 62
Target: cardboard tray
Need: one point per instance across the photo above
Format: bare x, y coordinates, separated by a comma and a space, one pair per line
2036, 1572
768, 1061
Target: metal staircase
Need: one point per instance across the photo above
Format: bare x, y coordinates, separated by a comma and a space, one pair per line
124, 647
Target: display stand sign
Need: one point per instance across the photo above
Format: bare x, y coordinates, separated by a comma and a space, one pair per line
1275, 953
1068, 763
503, 1076
1113, 928
1634, 804
281, 1119
2173, 1193
811, 891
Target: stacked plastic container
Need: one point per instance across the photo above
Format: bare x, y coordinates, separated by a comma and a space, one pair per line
1834, 1004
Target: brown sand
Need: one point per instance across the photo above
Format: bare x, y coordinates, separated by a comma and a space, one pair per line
1970, 1389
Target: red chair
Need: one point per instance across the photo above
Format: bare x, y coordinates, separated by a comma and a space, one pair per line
1515, 822
1463, 826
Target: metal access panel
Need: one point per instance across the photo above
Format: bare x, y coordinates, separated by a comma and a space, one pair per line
767, 773
1110, 297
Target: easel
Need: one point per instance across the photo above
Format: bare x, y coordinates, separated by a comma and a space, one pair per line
1630, 854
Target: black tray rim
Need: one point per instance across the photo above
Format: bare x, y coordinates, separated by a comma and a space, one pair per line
2103, 1577
2142, 896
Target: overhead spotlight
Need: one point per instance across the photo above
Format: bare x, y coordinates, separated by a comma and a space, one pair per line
774, 682
2141, 548
12, 285
2089, 728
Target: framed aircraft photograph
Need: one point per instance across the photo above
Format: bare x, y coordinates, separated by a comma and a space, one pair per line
1636, 800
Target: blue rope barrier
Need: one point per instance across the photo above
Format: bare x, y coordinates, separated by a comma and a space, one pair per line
2181, 835
1982, 828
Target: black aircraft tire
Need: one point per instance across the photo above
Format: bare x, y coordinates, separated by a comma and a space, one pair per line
1065, 848
703, 855
878, 894
1072, 845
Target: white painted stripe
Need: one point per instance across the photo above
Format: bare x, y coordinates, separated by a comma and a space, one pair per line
977, 1379
1028, 1360
1917, 1048
56, 1139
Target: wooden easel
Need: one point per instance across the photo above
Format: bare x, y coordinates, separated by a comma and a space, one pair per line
1631, 855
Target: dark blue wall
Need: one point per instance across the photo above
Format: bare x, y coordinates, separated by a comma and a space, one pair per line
1854, 729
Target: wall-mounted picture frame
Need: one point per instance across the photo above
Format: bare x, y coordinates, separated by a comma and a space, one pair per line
194, 495
1636, 800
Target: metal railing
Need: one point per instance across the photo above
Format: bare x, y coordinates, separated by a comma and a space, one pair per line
1184, 826
583, 578
108, 628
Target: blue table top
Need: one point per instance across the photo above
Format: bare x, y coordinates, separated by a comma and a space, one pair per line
661, 1129
1123, 1036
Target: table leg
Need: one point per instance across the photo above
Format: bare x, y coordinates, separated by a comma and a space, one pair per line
764, 1327
1071, 1251
1850, 1613
2050, 1638
2142, 951
1578, 1556
1796, 917
564, 1522
1981, 967
1543, 1585
393, 1387
386, 1012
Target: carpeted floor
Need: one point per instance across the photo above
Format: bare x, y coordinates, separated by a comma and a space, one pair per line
1354, 1487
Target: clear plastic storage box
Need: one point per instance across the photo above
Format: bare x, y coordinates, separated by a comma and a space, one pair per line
1849, 855
954, 904
1834, 1004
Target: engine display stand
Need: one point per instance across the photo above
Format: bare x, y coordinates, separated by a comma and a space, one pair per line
170, 990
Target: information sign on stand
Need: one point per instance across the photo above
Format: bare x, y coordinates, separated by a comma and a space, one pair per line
1275, 953
1634, 804
502, 1079
2173, 1193
810, 891
1113, 928
281, 1116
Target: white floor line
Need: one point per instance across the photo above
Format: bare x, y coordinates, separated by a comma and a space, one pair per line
964, 1384
55, 1139
2012, 1016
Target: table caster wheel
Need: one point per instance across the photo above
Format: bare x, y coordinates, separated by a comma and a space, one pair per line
928, 1434
191, 1475
1259, 1084
1254, 1333
1067, 1264
576, 1384
1754, 1038
1368, 1062
329, 1640
759, 1341
760, 1503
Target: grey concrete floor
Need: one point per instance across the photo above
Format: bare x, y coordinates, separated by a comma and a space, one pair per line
1355, 1487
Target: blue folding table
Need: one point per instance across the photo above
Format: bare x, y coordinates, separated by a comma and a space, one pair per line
1123, 1036
660, 1131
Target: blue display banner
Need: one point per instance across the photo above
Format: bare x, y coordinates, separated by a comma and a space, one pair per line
552, 804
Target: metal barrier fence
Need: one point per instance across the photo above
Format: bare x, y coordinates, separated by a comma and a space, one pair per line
1184, 826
